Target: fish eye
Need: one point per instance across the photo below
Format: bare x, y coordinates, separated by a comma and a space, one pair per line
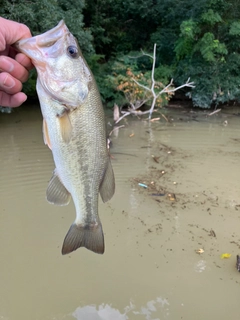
72, 51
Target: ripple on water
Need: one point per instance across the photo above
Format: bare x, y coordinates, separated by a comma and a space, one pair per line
151, 242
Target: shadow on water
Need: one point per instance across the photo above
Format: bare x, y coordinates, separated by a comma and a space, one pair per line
176, 210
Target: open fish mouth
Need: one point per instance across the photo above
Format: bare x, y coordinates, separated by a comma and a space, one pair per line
39, 45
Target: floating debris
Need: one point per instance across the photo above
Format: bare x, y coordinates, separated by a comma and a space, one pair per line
143, 185
131, 135
199, 251
155, 158
225, 255
154, 119
214, 112
212, 233
158, 194
171, 197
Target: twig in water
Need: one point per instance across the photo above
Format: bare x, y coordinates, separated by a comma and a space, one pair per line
115, 128
214, 112
164, 117
116, 112
155, 119
124, 115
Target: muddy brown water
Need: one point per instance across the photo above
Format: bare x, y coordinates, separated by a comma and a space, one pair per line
150, 269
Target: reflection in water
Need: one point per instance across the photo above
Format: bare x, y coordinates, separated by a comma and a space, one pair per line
154, 307
200, 266
103, 312
133, 199
106, 312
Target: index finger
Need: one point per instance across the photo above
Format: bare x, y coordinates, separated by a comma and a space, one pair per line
11, 32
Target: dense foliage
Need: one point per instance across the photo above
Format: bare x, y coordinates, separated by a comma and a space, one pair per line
197, 39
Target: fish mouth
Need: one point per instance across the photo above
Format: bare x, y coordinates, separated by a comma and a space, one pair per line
48, 38
38, 46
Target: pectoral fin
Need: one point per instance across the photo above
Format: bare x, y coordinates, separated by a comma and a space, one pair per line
56, 192
107, 187
65, 126
46, 135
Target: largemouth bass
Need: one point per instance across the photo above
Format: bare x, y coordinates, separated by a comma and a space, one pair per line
74, 129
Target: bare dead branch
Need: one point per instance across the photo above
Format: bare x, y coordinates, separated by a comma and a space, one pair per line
164, 117
155, 119
214, 112
116, 112
139, 104
116, 128
138, 113
154, 96
141, 85
147, 54
124, 115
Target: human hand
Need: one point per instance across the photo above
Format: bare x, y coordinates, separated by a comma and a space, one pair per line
14, 66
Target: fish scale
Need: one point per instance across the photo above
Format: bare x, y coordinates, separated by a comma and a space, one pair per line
74, 129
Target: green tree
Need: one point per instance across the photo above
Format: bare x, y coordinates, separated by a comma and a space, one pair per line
197, 39
207, 51
43, 15
119, 27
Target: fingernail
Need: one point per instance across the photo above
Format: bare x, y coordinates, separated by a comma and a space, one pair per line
7, 65
8, 82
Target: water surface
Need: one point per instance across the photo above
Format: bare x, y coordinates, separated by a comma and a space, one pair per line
150, 269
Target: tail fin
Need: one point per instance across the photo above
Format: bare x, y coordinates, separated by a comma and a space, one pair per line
88, 236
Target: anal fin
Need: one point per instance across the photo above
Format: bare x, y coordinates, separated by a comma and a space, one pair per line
107, 187
56, 192
88, 236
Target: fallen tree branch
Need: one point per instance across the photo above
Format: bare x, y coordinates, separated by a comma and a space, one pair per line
153, 95
214, 112
115, 128
124, 115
